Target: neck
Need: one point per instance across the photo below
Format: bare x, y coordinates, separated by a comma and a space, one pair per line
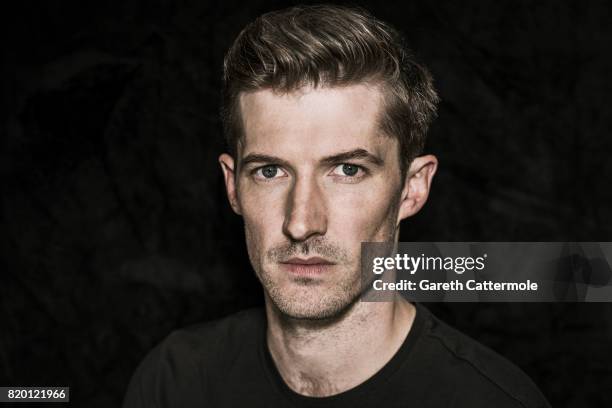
326, 358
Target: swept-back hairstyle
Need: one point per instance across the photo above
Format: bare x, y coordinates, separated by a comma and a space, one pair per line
327, 46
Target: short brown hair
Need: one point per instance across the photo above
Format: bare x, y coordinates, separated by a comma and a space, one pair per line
329, 45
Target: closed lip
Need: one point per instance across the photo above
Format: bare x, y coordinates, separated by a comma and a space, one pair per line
307, 261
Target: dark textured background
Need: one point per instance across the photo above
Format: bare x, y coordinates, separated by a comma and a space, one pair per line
115, 228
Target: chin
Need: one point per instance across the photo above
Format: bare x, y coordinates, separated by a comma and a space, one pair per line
311, 305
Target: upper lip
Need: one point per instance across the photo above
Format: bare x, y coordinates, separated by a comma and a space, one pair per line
308, 261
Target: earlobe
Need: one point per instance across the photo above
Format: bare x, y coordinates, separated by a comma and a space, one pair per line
228, 168
417, 185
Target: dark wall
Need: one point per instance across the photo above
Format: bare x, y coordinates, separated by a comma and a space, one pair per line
114, 224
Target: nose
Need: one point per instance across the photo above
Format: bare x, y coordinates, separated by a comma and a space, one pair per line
306, 214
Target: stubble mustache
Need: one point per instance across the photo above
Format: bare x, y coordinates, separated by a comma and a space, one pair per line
319, 247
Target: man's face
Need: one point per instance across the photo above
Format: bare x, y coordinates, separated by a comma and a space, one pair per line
314, 178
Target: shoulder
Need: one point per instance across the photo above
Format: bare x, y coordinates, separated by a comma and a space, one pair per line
480, 373
200, 340
177, 367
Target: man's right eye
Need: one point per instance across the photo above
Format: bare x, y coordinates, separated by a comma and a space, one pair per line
269, 172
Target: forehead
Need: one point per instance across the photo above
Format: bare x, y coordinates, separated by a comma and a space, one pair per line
312, 120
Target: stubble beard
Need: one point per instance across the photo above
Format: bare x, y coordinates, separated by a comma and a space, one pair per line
304, 301
309, 298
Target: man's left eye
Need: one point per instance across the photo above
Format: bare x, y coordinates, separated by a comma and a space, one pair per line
347, 170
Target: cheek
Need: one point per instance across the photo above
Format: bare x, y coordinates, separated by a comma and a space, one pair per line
262, 213
362, 216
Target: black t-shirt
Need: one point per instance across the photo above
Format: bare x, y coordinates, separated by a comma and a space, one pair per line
226, 363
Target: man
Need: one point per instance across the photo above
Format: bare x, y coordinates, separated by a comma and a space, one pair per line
325, 114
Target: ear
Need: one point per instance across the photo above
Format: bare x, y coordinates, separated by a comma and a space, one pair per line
228, 167
417, 185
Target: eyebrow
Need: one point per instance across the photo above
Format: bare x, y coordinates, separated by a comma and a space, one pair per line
261, 158
334, 159
352, 155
